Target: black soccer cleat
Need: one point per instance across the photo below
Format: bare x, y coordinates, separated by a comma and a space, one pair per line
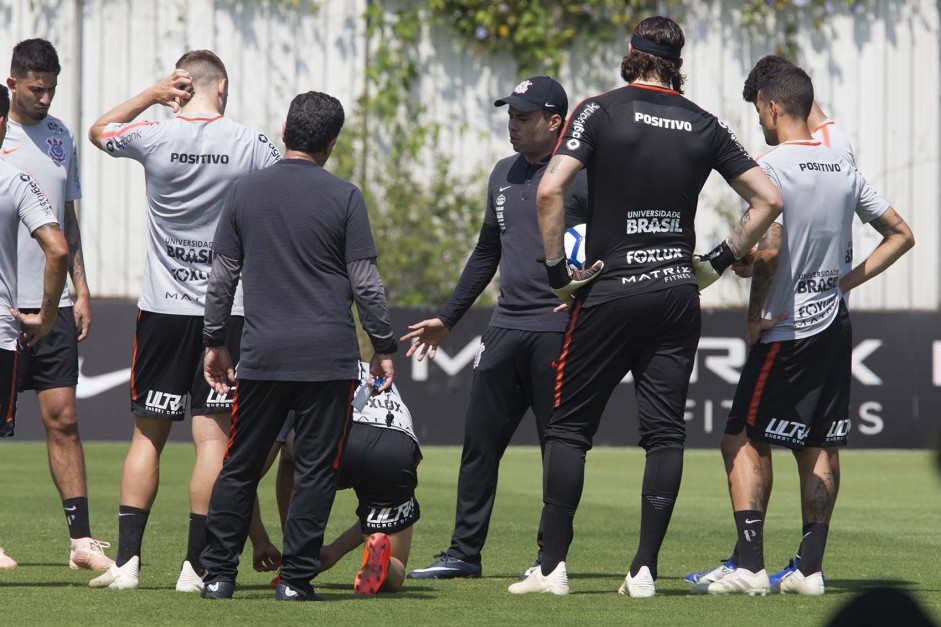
447, 567
219, 589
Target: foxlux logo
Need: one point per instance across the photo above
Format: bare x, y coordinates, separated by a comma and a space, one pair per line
578, 125
779, 429
164, 401
650, 256
183, 157
668, 123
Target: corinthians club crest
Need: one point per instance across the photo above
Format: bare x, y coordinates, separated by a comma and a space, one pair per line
56, 151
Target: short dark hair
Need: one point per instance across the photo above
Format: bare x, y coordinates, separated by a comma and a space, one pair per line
204, 67
791, 89
765, 66
34, 55
4, 102
638, 65
314, 120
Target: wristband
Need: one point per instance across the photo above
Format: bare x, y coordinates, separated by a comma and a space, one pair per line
721, 257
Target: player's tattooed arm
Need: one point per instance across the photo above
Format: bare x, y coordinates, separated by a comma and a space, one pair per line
764, 269
52, 242
550, 202
764, 206
81, 307
897, 239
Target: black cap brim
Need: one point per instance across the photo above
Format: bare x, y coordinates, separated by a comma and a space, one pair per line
518, 103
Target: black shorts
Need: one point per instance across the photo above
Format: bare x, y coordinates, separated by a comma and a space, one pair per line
8, 361
796, 393
53, 362
167, 367
381, 465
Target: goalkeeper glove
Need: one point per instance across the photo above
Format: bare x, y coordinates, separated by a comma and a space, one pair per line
709, 267
565, 280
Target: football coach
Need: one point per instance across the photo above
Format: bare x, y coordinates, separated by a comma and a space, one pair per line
303, 238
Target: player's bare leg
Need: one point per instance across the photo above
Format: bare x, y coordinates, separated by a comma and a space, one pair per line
401, 546
818, 491
210, 439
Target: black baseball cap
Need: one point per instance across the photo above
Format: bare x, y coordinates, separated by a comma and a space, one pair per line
535, 93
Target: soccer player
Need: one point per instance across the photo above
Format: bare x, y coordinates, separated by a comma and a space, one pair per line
832, 136
23, 201
189, 163
380, 462
40, 144
648, 151
513, 368
307, 254
794, 388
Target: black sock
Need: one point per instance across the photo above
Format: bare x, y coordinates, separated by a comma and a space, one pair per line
800, 548
662, 474
558, 522
734, 556
131, 524
76, 515
196, 542
814, 544
751, 529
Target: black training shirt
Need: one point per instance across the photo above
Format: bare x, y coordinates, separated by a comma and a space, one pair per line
296, 227
648, 151
510, 239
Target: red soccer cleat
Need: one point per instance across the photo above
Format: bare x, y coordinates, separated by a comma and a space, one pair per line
375, 565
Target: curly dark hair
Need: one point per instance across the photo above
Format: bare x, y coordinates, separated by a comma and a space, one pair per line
34, 55
756, 77
314, 120
642, 65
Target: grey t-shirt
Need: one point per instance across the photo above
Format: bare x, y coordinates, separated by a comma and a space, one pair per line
21, 200
189, 163
295, 227
46, 151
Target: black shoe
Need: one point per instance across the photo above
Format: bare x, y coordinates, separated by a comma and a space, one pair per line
219, 589
447, 567
287, 592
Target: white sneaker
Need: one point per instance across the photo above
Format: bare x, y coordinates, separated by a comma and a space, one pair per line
740, 580
556, 582
189, 581
89, 554
126, 577
640, 586
529, 571
797, 583
6, 561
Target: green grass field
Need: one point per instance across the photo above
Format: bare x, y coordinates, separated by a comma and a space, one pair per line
886, 531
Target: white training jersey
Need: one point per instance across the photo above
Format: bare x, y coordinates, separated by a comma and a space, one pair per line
821, 192
833, 137
384, 410
22, 201
46, 151
189, 163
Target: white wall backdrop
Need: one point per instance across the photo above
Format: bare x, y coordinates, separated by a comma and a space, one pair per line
878, 76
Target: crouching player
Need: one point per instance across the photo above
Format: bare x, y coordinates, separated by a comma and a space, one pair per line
380, 462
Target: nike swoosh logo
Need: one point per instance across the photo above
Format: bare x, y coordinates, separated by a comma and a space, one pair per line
127, 514
70, 509
288, 592
93, 385
435, 568
505, 188
751, 522
7, 151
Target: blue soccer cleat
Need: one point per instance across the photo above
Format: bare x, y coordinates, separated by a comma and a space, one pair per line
714, 574
447, 567
792, 565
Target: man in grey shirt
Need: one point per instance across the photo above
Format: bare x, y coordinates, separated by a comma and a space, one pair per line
304, 240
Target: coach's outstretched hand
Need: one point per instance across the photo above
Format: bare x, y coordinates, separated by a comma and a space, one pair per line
428, 335
565, 280
218, 370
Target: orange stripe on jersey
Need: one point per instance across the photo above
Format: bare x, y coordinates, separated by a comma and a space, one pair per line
760, 383
560, 366
566, 127
134, 360
185, 119
125, 129
655, 88
346, 427
792, 143
8, 418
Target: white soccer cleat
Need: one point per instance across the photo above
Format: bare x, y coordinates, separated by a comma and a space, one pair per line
189, 581
556, 582
125, 577
797, 583
740, 580
89, 554
641, 586
6, 561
